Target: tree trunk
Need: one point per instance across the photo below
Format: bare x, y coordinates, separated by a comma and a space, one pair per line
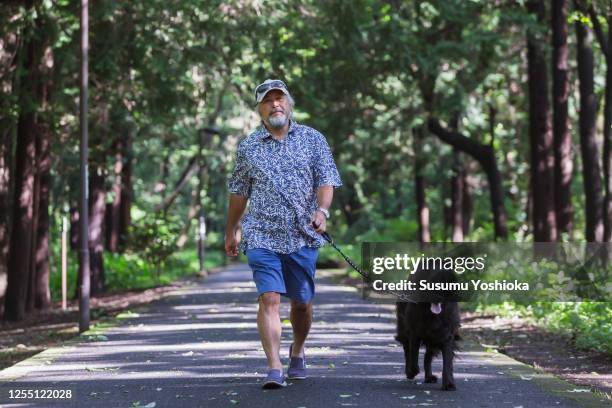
188, 172
21, 231
456, 190
164, 167
561, 135
97, 211
35, 207
5, 205
127, 192
540, 134
194, 210
19, 262
42, 296
114, 214
588, 143
74, 228
485, 155
607, 144
457, 198
39, 296
467, 204
8, 85
419, 186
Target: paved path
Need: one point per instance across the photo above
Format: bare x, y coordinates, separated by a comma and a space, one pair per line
199, 348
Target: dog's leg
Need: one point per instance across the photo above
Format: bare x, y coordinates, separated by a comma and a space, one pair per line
412, 360
429, 377
448, 379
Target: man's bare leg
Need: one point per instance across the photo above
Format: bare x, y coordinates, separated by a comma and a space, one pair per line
301, 320
269, 326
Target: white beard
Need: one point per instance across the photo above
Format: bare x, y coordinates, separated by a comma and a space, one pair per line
277, 122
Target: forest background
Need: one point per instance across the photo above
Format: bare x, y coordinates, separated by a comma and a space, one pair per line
455, 120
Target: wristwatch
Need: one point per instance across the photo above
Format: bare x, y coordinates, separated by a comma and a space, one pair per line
324, 211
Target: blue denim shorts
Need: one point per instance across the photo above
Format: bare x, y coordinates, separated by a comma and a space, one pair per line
292, 275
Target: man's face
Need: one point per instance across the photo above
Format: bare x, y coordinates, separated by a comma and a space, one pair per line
274, 109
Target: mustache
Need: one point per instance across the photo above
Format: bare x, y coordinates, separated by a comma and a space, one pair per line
278, 110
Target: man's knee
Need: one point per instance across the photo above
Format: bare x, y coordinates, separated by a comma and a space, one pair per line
301, 307
269, 301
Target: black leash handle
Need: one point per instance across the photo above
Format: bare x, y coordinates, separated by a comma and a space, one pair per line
348, 260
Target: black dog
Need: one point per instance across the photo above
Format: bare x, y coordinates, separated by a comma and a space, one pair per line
436, 326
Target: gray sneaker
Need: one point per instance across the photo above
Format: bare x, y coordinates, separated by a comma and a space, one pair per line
274, 379
297, 367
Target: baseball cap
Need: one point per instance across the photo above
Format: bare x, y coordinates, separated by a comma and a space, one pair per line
268, 85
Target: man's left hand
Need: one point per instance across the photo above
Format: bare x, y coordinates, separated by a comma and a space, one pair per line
319, 222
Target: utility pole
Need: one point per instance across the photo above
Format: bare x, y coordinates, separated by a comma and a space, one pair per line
84, 215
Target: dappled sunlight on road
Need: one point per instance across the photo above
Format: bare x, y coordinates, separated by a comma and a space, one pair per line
199, 346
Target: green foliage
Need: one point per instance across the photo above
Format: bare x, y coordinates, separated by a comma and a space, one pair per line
589, 324
132, 271
153, 237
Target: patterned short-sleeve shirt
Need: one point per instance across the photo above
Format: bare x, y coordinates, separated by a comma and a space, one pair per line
281, 178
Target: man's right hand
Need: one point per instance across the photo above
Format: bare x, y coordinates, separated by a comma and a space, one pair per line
231, 243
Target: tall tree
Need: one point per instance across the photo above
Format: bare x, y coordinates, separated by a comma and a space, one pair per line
457, 183
591, 169
97, 213
19, 264
8, 63
118, 215
419, 186
540, 134
561, 135
40, 271
485, 155
605, 41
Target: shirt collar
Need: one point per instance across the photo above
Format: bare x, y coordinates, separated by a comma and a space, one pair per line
265, 133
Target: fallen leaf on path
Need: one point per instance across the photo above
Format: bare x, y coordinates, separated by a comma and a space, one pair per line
187, 354
580, 390
101, 368
526, 377
408, 397
235, 402
331, 365
345, 395
97, 337
127, 315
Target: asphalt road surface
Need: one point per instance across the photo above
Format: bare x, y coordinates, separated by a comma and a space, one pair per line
199, 347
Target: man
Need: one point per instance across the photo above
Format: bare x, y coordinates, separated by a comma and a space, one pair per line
287, 174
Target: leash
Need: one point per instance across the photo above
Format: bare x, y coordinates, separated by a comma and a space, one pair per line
401, 296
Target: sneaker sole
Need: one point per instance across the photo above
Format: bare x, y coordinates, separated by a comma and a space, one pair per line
296, 377
273, 385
